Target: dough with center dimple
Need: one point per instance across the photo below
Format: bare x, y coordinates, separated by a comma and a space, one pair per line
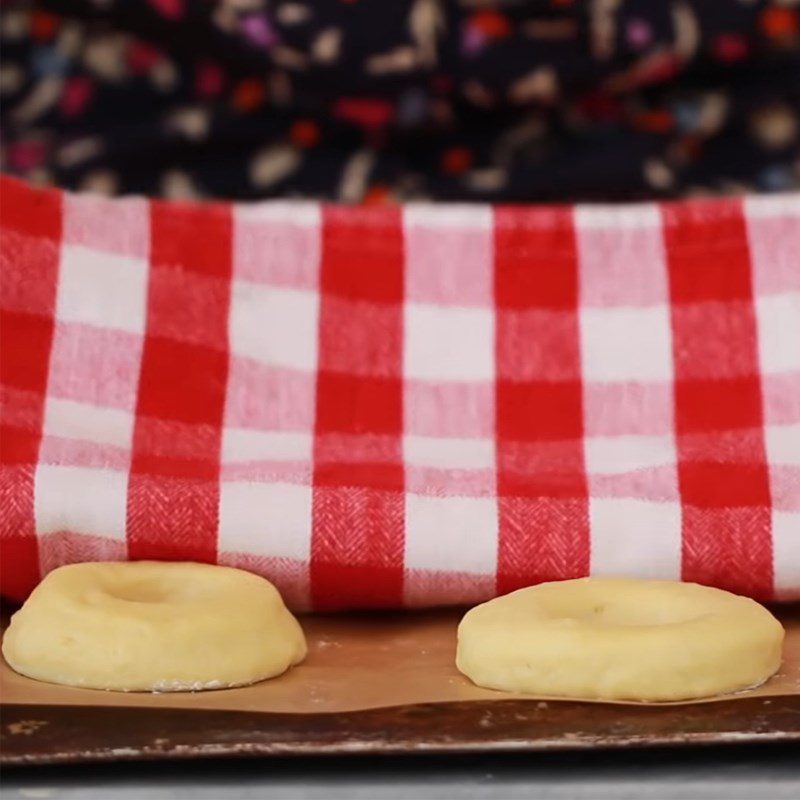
619, 639
153, 626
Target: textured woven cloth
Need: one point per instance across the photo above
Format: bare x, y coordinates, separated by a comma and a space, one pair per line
403, 406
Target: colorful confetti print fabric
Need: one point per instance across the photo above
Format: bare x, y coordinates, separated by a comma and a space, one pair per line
388, 100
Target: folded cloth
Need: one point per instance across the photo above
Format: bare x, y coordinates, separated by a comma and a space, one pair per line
402, 406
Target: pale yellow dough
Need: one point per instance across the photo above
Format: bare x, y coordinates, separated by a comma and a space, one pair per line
619, 639
153, 626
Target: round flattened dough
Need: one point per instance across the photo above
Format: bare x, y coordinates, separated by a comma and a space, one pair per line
153, 626
619, 639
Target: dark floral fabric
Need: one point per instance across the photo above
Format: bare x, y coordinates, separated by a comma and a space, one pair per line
386, 100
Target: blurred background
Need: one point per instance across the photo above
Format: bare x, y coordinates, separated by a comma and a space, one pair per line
375, 101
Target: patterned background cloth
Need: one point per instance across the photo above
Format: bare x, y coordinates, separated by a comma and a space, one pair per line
402, 406
380, 100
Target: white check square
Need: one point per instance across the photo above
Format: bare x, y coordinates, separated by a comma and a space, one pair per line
107, 290
240, 444
455, 534
266, 519
274, 326
82, 500
779, 332
612, 455
786, 552
783, 446
449, 453
635, 537
448, 344
626, 344
69, 419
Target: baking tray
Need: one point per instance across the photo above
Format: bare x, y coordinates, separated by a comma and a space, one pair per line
377, 684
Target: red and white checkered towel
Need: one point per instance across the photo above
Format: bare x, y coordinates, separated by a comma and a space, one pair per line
386, 407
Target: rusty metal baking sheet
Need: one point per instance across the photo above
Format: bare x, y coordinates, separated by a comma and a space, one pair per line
378, 684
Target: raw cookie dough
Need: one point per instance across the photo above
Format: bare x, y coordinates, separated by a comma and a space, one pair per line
153, 626
619, 639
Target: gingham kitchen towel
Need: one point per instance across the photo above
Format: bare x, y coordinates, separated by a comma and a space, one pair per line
403, 406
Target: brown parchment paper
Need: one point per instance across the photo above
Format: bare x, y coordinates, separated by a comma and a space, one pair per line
358, 662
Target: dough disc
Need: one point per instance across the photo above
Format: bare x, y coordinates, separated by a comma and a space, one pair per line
153, 626
619, 639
